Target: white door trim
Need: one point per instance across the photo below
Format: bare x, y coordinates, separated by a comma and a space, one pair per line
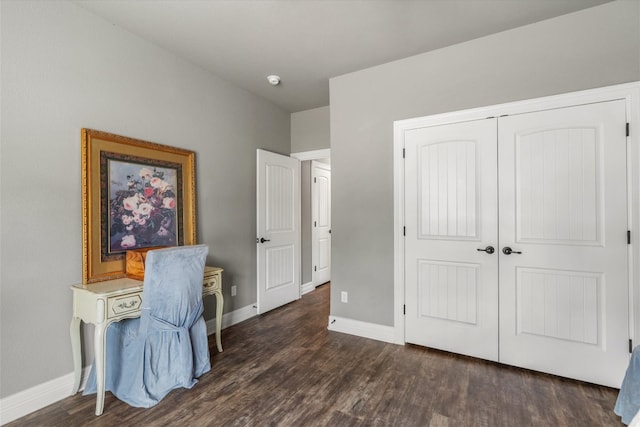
312, 155
630, 92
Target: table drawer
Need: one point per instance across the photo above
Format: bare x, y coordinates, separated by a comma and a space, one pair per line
212, 283
124, 304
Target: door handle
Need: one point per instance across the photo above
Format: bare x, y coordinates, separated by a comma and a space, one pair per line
488, 249
508, 251
262, 240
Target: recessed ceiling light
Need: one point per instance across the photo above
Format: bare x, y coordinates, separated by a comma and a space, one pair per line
273, 80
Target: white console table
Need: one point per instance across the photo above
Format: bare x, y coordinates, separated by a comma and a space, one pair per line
110, 301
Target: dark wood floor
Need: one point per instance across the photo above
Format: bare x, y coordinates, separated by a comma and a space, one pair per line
285, 369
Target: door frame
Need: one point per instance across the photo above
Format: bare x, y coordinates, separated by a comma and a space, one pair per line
303, 156
630, 92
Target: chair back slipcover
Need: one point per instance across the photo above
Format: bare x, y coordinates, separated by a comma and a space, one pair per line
628, 402
167, 346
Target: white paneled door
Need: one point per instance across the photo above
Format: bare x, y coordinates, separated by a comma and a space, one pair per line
278, 228
451, 209
554, 295
563, 212
321, 227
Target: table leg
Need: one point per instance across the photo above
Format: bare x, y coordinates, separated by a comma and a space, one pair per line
99, 350
74, 330
219, 304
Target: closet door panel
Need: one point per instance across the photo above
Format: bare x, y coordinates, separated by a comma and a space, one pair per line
563, 213
451, 210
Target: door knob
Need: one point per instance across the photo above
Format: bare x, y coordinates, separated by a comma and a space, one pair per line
262, 240
508, 251
488, 249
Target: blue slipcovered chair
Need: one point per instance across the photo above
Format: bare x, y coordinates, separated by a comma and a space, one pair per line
166, 347
628, 402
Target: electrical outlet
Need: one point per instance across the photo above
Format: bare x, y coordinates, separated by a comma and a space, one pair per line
234, 290
344, 297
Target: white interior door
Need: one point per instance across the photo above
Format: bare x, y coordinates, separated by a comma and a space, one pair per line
451, 289
563, 211
278, 228
321, 222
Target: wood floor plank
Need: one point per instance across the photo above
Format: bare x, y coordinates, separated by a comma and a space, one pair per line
284, 368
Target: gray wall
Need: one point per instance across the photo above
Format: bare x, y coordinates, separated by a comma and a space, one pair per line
310, 130
64, 69
591, 48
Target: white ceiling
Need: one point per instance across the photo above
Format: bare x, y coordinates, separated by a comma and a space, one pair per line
307, 42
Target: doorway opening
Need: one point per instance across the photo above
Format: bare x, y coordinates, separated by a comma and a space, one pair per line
315, 253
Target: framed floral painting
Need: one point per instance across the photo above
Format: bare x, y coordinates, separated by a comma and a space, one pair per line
135, 195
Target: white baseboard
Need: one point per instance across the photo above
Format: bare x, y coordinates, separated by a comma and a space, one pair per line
307, 287
230, 319
362, 329
37, 397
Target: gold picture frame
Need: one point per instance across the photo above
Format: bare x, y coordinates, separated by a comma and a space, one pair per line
135, 194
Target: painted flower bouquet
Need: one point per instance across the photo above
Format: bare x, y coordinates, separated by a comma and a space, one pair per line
143, 214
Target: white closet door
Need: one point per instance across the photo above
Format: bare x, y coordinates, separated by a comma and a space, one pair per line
562, 187
451, 210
